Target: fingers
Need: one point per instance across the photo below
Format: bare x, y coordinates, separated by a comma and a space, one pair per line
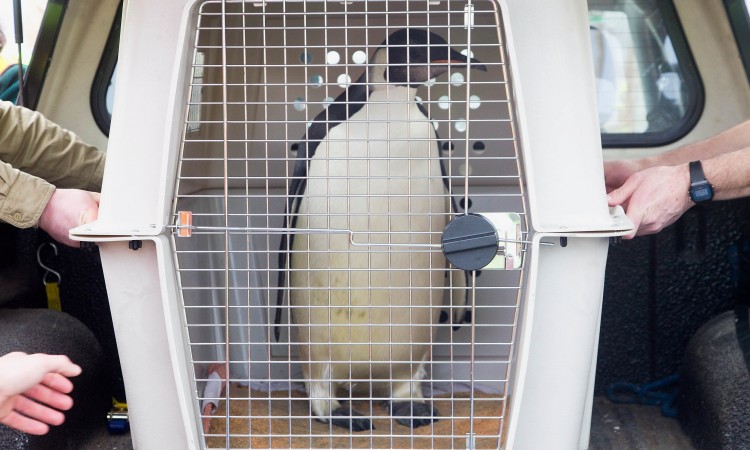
58, 383
654, 198
60, 364
90, 213
33, 417
616, 173
611, 182
635, 216
54, 384
36, 390
621, 195
25, 424
52, 397
40, 412
66, 209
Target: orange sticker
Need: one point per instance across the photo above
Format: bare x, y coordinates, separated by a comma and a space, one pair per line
185, 223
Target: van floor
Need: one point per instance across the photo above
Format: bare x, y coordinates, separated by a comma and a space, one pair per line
634, 427
613, 427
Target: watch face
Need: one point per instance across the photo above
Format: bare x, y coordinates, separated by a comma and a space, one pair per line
701, 193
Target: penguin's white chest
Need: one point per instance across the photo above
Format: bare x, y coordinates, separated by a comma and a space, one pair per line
377, 175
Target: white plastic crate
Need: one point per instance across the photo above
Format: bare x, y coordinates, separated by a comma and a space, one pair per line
219, 139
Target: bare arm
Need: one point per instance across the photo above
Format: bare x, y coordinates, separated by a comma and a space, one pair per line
731, 140
654, 191
729, 173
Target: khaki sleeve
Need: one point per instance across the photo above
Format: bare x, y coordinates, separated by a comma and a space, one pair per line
32, 144
37, 155
23, 197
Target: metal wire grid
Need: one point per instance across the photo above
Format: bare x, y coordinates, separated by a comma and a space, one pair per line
261, 73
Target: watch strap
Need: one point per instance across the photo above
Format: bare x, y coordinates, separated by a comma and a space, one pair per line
696, 172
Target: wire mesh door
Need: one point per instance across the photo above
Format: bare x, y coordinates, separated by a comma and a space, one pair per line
326, 146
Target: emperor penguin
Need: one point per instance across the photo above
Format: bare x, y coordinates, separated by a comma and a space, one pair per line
365, 292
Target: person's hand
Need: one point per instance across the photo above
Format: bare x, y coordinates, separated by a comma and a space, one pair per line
654, 198
67, 209
31, 386
617, 172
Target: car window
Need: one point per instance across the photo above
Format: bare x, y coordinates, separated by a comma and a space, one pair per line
103, 88
648, 89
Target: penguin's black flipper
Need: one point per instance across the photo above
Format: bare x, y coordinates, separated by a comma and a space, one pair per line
344, 106
454, 206
443, 170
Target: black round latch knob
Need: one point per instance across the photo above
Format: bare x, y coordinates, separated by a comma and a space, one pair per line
470, 242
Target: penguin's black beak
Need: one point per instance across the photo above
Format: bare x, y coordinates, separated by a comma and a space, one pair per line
416, 56
443, 58
458, 59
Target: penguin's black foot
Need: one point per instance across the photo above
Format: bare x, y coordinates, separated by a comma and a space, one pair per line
345, 417
414, 415
443, 316
467, 319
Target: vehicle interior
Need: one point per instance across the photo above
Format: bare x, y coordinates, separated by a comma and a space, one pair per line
668, 73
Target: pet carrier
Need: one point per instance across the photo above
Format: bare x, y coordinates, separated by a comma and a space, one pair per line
370, 224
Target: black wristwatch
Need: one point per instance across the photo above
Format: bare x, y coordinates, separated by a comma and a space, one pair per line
700, 189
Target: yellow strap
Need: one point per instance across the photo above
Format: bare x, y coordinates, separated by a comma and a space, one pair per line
53, 296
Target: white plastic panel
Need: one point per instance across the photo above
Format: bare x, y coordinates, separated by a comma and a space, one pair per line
551, 64
560, 168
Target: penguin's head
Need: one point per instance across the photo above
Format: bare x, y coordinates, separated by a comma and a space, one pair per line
412, 56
